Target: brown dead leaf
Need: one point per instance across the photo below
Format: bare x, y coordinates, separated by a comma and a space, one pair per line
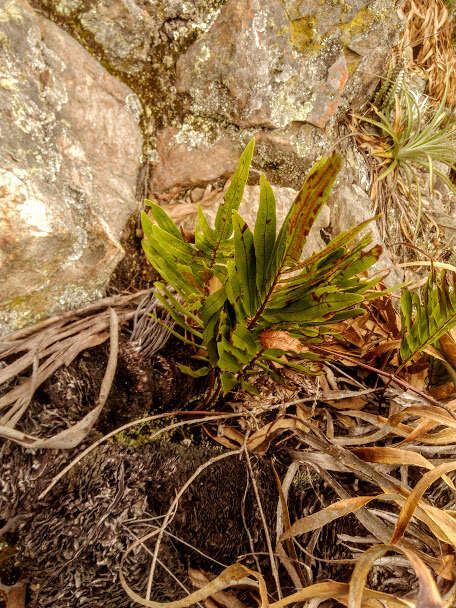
281, 340
352, 403
429, 596
389, 455
260, 440
339, 592
214, 284
442, 391
326, 515
447, 569
448, 346
225, 598
413, 499
233, 575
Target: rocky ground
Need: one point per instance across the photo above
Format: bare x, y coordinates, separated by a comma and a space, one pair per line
106, 103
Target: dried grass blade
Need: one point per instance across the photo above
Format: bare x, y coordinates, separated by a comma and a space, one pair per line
71, 437
389, 455
338, 591
415, 496
429, 596
234, 575
327, 515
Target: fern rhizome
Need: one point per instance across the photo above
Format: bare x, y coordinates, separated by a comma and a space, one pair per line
245, 301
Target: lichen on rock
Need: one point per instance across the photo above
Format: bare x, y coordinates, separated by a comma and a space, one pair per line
68, 165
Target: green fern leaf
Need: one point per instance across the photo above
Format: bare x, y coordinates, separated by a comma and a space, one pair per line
244, 259
426, 319
194, 373
162, 219
308, 204
234, 194
265, 232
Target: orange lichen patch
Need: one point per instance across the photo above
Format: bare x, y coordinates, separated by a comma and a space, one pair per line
426, 43
328, 95
338, 74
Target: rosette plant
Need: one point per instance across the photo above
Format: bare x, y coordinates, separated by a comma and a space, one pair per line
243, 300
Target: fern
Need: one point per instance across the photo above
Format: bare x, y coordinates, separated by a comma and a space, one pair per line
244, 299
426, 319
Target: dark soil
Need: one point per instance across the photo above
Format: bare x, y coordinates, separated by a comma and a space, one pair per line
71, 543
134, 271
68, 547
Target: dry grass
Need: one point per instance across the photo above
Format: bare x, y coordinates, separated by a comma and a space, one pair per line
380, 444
426, 45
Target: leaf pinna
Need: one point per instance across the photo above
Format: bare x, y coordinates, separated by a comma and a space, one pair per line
262, 283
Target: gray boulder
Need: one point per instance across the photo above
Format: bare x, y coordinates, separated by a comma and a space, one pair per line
69, 159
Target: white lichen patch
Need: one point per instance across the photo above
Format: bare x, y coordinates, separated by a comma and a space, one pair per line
134, 105
33, 212
285, 108
10, 84
196, 133
20, 203
11, 12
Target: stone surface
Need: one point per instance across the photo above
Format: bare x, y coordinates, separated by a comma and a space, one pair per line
271, 63
279, 71
214, 68
139, 41
182, 165
69, 158
350, 205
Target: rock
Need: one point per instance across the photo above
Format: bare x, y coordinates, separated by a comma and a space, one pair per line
349, 206
139, 41
184, 165
197, 194
70, 155
270, 63
281, 72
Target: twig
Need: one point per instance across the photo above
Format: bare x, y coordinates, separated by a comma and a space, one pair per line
72, 436
380, 372
275, 572
103, 303
89, 449
246, 528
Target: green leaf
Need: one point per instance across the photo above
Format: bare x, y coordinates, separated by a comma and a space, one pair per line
264, 284
228, 381
244, 257
247, 340
163, 219
426, 319
308, 204
265, 233
194, 373
212, 304
234, 194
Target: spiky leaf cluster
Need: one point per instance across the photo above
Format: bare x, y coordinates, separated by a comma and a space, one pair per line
427, 318
234, 284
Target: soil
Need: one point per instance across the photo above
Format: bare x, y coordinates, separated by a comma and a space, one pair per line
68, 546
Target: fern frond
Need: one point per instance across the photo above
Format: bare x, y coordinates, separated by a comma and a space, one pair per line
262, 282
426, 319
